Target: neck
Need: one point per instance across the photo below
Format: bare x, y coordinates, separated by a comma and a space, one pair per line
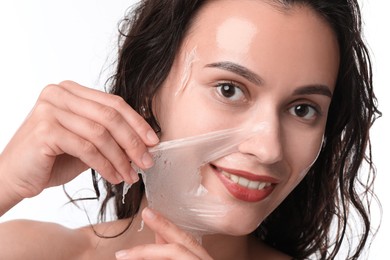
226, 247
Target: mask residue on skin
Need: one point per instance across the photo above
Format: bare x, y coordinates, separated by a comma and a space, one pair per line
174, 184
190, 58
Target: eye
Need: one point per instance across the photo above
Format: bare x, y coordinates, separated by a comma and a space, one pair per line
304, 111
230, 91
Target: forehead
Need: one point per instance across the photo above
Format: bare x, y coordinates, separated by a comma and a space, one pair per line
254, 31
251, 16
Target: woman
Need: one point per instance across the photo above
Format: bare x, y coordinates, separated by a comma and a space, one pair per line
192, 68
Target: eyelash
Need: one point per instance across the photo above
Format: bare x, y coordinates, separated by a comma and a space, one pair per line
236, 87
314, 108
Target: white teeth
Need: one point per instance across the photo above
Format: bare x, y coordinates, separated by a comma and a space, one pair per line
262, 185
253, 185
243, 182
234, 178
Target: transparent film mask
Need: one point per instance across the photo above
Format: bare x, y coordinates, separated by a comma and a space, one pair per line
174, 184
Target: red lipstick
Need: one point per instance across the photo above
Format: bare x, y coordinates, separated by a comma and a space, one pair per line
245, 186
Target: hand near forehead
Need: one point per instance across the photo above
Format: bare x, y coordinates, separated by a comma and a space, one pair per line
70, 129
171, 242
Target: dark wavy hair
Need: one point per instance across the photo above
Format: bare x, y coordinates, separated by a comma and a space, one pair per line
313, 219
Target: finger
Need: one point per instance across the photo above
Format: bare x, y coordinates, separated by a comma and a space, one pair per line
154, 251
102, 140
110, 118
142, 128
159, 239
170, 233
61, 141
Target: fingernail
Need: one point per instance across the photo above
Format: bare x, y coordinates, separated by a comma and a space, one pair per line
152, 137
121, 255
147, 160
149, 213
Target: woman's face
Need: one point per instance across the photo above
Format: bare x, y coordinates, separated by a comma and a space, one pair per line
245, 63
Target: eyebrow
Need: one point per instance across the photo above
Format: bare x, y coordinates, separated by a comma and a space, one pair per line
316, 89
239, 70
313, 90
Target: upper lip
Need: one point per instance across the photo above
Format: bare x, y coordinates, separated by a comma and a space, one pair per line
248, 175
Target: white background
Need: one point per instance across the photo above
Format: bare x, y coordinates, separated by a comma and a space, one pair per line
46, 41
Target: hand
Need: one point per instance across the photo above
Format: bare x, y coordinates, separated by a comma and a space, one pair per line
70, 129
171, 242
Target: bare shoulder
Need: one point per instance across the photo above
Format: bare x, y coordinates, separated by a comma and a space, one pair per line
26, 239
260, 250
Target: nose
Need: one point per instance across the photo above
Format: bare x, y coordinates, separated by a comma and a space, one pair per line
265, 143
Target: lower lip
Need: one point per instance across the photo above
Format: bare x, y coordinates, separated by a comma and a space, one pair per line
243, 193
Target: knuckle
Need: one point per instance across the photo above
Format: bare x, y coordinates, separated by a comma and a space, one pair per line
88, 148
190, 241
117, 102
66, 83
98, 131
140, 122
110, 114
42, 108
133, 142
53, 92
48, 91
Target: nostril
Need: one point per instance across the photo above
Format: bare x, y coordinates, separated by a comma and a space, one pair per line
267, 149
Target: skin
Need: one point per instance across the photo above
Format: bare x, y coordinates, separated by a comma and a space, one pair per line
289, 49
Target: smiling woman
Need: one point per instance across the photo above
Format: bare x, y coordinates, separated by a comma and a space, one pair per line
225, 90
298, 69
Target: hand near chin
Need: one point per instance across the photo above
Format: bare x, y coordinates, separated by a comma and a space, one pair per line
171, 242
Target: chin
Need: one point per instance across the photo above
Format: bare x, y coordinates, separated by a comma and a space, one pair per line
237, 223
242, 217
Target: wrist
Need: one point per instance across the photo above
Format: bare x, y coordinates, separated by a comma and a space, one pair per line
8, 199
8, 196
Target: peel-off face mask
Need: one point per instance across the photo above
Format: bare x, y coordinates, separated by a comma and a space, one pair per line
174, 184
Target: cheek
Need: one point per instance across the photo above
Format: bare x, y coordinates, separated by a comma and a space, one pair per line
186, 113
302, 151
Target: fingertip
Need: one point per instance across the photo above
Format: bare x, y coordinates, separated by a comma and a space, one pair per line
148, 213
147, 160
134, 176
130, 176
152, 137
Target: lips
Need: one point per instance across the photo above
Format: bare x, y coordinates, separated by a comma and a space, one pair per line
245, 186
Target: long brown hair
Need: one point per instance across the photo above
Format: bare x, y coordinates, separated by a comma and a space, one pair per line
150, 38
